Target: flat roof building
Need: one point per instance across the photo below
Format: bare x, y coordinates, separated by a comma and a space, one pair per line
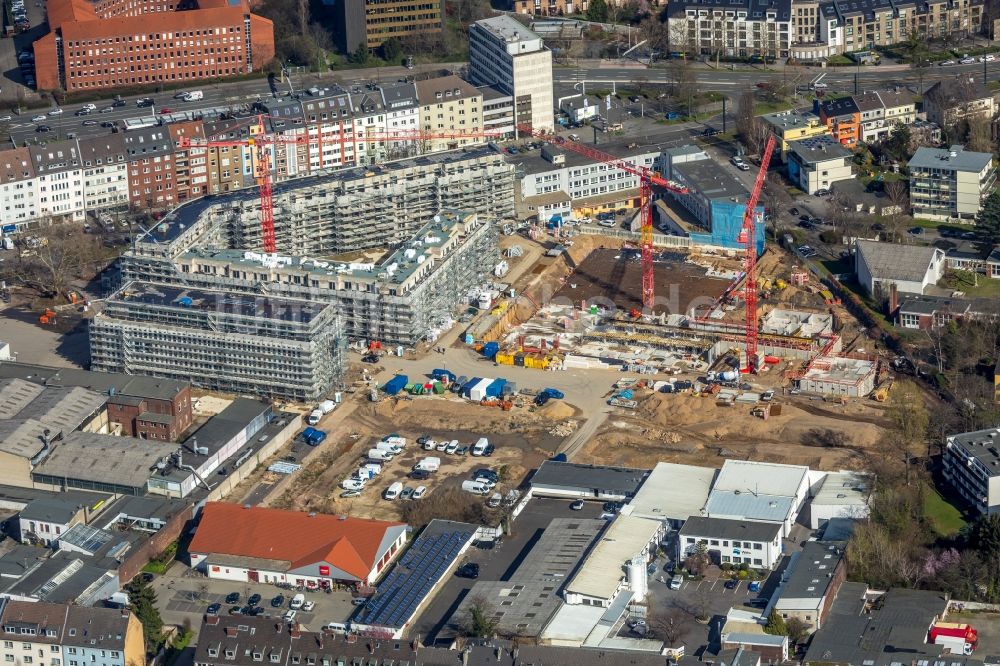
564, 479
810, 583
840, 495
750, 490
950, 183
731, 541
672, 493
817, 163
839, 375
971, 465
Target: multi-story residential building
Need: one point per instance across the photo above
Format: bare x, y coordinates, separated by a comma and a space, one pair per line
551, 7
150, 155
498, 111
190, 164
449, 104
817, 163
505, 54
230, 168
95, 46
868, 117
371, 22
793, 125
951, 183
58, 180
105, 172
951, 101
842, 118
255, 345
971, 465
855, 25
47, 634
806, 42
733, 28
17, 191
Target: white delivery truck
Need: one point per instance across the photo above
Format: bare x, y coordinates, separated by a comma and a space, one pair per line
429, 464
475, 487
194, 96
314, 417
387, 446
297, 601
326, 406
379, 456
395, 439
392, 492
479, 448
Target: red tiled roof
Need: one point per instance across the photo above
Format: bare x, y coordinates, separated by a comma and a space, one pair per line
350, 544
66, 11
193, 19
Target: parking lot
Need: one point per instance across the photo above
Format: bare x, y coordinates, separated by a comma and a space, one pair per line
186, 595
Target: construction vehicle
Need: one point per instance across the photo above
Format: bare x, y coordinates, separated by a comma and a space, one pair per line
47, 317
881, 394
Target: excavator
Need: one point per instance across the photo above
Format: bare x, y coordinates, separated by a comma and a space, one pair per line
881, 394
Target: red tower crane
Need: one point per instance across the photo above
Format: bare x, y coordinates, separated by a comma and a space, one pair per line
261, 142
748, 237
647, 178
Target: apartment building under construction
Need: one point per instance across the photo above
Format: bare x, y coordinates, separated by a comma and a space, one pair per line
435, 217
247, 344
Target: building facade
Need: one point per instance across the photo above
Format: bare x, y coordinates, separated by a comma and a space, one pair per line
731, 541
734, 28
970, 466
449, 104
105, 172
849, 25
793, 125
505, 54
100, 46
370, 23
950, 184
951, 101
58, 180
817, 163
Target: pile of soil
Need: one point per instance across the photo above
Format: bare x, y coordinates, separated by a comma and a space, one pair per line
557, 410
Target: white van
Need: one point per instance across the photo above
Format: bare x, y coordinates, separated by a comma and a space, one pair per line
392, 492
479, 448
194, 95
297, 601
379, 456
394, 449
676, 582
314, 417
476, 487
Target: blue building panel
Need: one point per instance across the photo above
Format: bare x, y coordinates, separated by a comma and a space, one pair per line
727, 220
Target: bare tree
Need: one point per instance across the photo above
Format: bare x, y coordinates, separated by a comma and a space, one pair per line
57, 255
479, 621
980, 135
667, 623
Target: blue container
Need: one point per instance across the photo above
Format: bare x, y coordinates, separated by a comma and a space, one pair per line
559, 457
467, 386
490, 349
308, 433
554, 393
443, 375
496, 388
317, 437
395, 385
469, 339
626, 394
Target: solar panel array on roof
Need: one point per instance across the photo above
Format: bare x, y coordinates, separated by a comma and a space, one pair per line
420, 568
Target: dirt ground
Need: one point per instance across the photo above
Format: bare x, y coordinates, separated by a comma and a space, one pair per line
615, 275
692, 429
522, 439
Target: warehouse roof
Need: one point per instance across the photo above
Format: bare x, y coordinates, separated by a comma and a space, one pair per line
761, 478
602, 571
844, 488
50, 510
673, 492
230, 422
105, 459
63, 409
15, 395
889, 261
705, 177
743, 505
102, 382
611, 480
736, 530
352, 545
24, 437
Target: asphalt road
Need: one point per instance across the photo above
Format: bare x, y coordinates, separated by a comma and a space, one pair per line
591, 74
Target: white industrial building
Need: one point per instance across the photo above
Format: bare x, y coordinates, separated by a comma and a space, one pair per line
840, 495
839, 375
506, 54
672, 493
759, 491
617, 563
748, 542
911, 268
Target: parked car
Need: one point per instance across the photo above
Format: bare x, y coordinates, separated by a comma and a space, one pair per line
738, 162
577, 505
289, 615
419, 492
916, 231
406, 494
253, 600
233, 598
821, 192
945, 63
308, 606
710, 131
731, 584
213, 609
420, 475
236, 610
452, 447
461, 451
278, 601
967, 61
468, 570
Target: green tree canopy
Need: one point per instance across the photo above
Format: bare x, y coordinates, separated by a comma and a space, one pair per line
360, 55
142, 602
597, 11
776, 624
392, 51
988, 220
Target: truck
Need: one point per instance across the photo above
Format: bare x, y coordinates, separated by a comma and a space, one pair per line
314, 417
479, 448
395, 385
959, 638
428, 464
378, 455
326, 406
446, 376
955, 645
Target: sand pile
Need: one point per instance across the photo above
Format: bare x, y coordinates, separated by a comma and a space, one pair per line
556, 410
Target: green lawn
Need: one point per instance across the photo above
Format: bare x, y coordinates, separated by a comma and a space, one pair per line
935, 224
943, 517
972, 285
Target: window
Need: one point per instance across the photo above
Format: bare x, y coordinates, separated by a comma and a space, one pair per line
8, 657
27, 659
55, 648
758, 546
714, 542
758, 562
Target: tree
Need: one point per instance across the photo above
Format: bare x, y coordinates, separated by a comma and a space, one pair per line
897, 145
480, 622
752, 130
667, 623
797, 631
360, 55
392, 51
910, 419
61, 254
899, 195
988, 220
597, 11
142, 602
980, 137
775, 624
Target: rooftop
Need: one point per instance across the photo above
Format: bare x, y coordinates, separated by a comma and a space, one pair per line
242, 415
102, 382
959, 90
104, 459
220, 302
818, 149
63, 408
810, 573
736, 530
839, 369
531, 162
24, 438
611, 480
508, 28
602, 571
756, 9
443, 89
352, 545
955, 158
905, 263
673, 492
790, 119
982, 445
710, 180
844, 488
880, 632
761, 478
919, 304
743, 505
50, 510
